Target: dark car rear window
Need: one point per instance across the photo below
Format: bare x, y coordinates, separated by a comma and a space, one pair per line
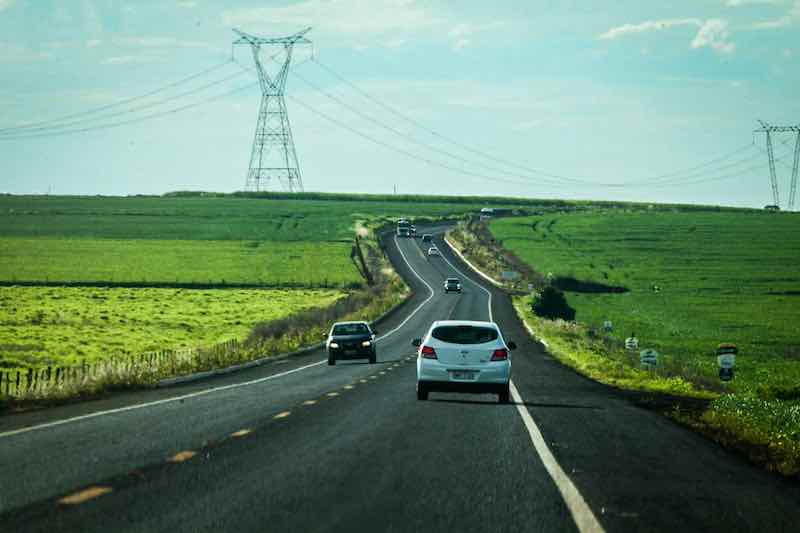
465, 334
452, 281
350, 329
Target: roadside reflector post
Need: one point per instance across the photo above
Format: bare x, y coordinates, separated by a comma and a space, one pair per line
648, 359
726, 359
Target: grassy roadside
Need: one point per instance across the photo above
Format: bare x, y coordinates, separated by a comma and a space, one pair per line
758, 417
305, 327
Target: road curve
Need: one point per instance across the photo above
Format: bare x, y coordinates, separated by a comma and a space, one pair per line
300, 446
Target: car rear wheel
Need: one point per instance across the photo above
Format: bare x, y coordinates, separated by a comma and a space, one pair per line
331, 360
422, 392
373, 358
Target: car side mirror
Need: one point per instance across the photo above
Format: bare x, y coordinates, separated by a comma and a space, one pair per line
512, 345
416, 342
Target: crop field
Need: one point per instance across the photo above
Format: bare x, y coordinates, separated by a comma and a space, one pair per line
66, 326
214, 241
695, 280
164, 262
164, 271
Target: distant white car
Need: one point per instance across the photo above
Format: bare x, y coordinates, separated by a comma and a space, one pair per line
433, 251
464, 356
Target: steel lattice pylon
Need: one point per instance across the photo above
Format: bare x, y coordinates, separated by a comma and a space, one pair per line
273, 156
769, 129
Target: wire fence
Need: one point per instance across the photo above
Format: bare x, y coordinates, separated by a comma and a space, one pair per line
120, 370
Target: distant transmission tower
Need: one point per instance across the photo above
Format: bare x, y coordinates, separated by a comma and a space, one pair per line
273, 155
769, 130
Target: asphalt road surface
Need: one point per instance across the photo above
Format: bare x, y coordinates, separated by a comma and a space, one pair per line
300, 446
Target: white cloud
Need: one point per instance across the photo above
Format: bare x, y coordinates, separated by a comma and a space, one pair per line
157, 42
352, 17
737, 3
92, 43
791, 18
359, 22
714, 34
132, 59
649, 25
5, 4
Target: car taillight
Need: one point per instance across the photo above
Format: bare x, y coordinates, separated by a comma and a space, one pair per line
501, 354
427, 352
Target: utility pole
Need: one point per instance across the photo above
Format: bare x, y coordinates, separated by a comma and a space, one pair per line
273, 155
769, 129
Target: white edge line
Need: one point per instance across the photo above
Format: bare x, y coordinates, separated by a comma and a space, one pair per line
215, 389
482, 274
580, 510
414, 312
484, 289
581, 513
158, 402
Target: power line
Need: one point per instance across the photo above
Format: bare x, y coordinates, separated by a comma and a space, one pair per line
78, 122
507, 162
137, 119
124, 101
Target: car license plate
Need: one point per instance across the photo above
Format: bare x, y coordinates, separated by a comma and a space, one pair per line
462, 374
350, 352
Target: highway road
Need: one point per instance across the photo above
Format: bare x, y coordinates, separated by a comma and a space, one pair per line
297, 445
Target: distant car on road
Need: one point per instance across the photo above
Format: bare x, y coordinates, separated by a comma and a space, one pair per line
351, 340
452, 285
464, 356
433, 251
427, 237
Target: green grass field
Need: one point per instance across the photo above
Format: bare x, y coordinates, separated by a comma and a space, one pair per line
268, 242
66, 326
151, 261
723, 277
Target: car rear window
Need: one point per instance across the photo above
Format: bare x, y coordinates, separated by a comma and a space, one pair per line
465, 334
350, 329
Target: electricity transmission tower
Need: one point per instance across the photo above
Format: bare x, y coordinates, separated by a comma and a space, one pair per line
273, 155
769, 130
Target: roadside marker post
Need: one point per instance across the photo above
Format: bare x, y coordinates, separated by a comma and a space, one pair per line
632, 343
648, 358
726, 359
608, 326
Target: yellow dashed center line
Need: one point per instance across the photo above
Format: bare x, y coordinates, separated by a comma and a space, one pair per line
241, 433
182, 456
349, 387
362, 380
382, 373
283, 414
332, 394
84, 495
309, 402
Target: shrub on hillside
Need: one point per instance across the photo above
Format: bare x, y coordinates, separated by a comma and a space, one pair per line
550, 303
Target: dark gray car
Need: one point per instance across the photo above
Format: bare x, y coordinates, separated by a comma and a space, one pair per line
351, 340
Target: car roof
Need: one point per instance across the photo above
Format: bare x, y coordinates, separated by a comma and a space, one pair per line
351, 323
478, 323
451, 279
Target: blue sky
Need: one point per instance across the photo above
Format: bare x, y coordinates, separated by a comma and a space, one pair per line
596, 92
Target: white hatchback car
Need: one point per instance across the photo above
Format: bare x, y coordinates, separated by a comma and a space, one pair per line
464, 356
433, 251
